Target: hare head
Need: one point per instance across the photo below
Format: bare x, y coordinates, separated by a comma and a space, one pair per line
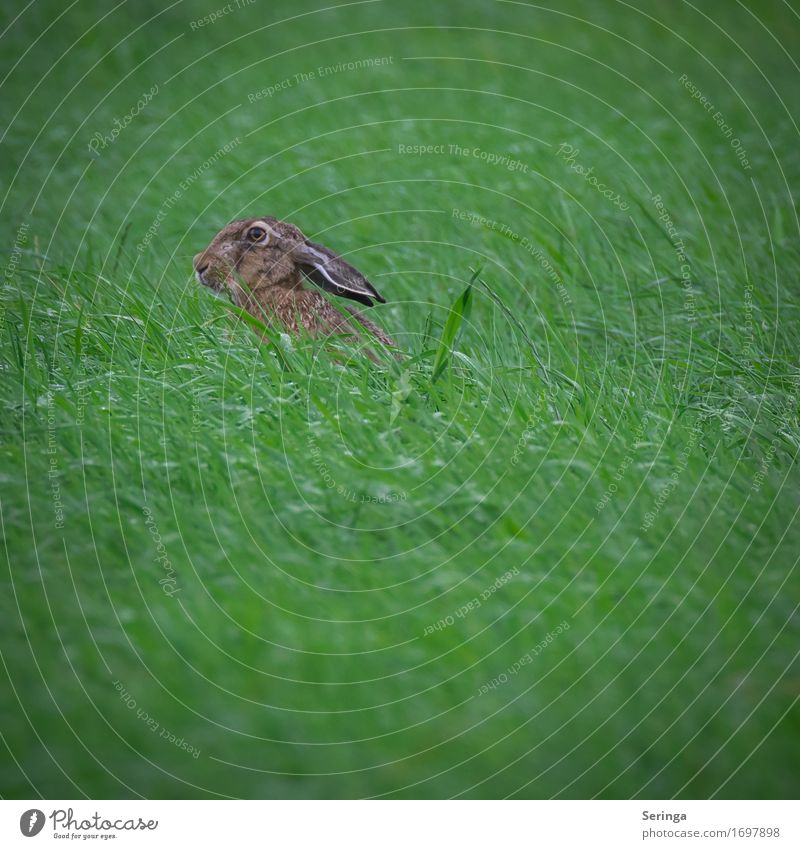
263, 253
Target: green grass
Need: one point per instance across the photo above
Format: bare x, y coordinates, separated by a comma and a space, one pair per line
262, 547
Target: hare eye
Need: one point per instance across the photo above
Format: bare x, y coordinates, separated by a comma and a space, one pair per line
256, 234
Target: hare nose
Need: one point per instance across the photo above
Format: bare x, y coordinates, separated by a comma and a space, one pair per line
198, 258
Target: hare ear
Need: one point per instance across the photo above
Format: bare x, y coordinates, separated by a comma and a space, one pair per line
330, 272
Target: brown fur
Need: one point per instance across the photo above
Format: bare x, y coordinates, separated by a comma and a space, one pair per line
270, 280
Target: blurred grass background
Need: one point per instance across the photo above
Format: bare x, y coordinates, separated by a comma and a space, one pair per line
230, 568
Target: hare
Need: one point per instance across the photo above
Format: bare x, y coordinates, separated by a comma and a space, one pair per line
264, 266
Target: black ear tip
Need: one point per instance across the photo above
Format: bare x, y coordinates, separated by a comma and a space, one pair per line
374, 293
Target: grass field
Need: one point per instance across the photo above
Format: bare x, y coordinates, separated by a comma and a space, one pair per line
552, 552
